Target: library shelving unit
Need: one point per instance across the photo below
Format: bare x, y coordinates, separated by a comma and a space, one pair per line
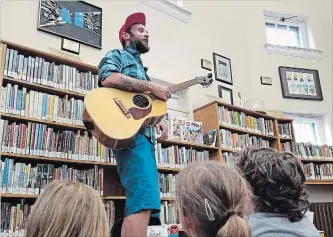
237, 124
42, 98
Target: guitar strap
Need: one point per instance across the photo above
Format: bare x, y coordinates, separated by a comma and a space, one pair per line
147, 77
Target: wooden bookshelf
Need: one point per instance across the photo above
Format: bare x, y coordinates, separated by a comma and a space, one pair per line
13, 117
39, 87
208, 114
111, 181
10, 195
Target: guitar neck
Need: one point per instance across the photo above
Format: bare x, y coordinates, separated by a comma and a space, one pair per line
183, 85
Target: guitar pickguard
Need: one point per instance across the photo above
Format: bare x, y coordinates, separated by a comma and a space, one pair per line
138, 113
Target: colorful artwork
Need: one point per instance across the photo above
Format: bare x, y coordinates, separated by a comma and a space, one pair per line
75, 20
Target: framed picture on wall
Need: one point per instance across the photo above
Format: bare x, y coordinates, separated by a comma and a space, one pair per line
75, 20
300, 83
226, 94
222, 68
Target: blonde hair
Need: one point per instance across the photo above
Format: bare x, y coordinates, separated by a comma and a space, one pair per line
214, 198
67, 210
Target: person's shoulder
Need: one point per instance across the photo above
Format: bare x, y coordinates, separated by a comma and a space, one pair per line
115, 52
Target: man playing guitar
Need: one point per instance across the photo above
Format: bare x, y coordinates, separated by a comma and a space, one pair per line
136, 165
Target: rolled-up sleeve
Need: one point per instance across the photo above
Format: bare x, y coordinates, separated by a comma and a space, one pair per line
110, 63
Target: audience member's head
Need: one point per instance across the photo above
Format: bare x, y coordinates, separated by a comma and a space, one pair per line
212, 199
68, 210
277, 181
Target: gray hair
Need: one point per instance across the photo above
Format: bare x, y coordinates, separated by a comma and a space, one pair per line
224, 189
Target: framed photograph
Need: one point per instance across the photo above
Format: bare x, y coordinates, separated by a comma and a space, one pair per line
222, 67
266, 81
300, 83
75, 20
226, 94
205, 64
70, 46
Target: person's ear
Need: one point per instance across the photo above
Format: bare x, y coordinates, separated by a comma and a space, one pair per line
126, 36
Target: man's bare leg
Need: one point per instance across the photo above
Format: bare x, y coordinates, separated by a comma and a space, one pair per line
136, 225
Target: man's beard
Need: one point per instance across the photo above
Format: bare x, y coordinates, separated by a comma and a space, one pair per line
140, 45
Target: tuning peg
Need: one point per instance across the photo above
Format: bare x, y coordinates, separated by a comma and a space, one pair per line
209, 75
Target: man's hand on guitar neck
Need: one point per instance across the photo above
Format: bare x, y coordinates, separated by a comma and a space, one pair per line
126, 83
162, 127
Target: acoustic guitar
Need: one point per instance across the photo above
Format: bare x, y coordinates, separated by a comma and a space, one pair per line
115, 116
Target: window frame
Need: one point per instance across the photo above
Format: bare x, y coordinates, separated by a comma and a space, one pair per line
304, 40
318, 119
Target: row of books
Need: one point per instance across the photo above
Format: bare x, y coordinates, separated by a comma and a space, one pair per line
289, 147
110, 209
167, 184
249, 123
40, 140
178, 156
14, 217
38, 105
309, 151
228, 157
184, 130
285, 130
168, 213
318, 171
40, 71
31, 179
237, 141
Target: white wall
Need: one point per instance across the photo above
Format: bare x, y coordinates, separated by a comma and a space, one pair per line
232, 28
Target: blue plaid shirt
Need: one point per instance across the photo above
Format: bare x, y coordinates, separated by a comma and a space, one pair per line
127, 62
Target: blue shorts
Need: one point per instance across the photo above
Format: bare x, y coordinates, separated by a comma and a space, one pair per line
138, 174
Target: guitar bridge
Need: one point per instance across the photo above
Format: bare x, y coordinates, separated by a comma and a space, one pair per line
122, 108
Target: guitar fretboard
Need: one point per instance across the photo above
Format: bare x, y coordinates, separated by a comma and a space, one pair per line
183, 85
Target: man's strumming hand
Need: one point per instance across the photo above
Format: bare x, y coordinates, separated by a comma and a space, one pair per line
162, 127
160, 91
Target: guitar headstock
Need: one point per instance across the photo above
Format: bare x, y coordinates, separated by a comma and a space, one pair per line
205, 81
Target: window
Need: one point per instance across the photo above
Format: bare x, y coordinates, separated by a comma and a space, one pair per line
286, 33
309, 129
289, 37
176, 105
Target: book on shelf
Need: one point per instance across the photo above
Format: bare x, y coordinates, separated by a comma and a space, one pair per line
228, 157
318, 171
237, 141
167, 185
41, 140
40, 71
240, 120
39, 105
14, 217
182, 129
310, 151
168, 213
210, 138
290, 147
31, 179
285, 130
178, 156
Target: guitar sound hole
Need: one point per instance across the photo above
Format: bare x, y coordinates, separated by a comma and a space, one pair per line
140, 101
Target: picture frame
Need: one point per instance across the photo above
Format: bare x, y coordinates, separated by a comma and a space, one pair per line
205, 64
78, 21
300, 83
226, 94
222, 69
70, 46
266, 80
